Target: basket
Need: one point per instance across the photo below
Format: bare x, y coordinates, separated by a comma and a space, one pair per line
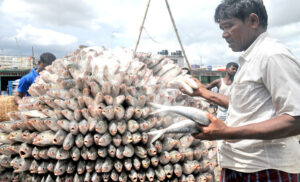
7, 104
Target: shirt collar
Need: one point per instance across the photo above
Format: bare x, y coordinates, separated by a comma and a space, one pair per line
34, 71
247, 55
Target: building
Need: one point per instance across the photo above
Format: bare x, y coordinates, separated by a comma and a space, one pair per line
204, 74
13, 68
207, 76
176, 56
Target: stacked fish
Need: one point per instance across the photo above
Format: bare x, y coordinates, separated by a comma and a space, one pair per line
92, 117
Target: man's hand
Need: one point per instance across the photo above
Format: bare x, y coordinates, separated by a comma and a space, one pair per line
18, 97
215, 130
196, 92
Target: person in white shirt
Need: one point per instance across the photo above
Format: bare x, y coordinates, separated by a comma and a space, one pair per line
259, 141
224, 85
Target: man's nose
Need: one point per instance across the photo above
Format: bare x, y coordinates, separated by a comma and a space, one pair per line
225, 34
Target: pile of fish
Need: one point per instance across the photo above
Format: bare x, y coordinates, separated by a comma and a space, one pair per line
102, 115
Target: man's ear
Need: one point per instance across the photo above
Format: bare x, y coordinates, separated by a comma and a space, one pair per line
253, 20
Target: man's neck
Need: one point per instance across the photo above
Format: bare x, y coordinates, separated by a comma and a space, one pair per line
228, 79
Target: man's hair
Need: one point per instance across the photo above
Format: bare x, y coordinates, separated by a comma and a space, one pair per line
241, 9
188, 70
47, 58
232, 64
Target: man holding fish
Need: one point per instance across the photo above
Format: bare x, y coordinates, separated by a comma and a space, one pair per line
259, 138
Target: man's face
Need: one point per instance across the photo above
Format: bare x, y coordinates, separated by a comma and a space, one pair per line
237, 33
232, 70
41, 66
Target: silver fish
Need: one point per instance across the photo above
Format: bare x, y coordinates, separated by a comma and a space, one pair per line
190, 112
184, 126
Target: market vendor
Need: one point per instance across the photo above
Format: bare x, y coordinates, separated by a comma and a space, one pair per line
25, 82
259, 140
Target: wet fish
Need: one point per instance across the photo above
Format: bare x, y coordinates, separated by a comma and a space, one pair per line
44, 138
169, 143
98, 166
79, 140
5, 138
25, 150
190, 166
192, 113
101, 126
136, 163
75, 153
63, 154
146, 163
128, 150
164, 157
68, 142
73, 128
52, 152
154, 161
120, 152
121, 127
118, 166
133, 126
128, 164
184, 126
60, 167
107, 165
150, 174
160, 173
52, 124
117, 139
90, 166
89, 140
59, 137
141, 152
83, 126
136, 137
175, 156
34, 166
105, 140
126, 138
102, 152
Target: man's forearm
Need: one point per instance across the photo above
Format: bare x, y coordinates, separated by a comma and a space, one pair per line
216, 98
17, 98
279, 127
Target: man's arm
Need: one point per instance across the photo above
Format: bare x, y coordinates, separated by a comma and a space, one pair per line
215, 83
202, 91
18, 97
278, 127
22, 89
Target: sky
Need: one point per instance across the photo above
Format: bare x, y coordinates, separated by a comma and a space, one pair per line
60, 26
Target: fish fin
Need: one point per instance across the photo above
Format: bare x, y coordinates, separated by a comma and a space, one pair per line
154, 135
159, 108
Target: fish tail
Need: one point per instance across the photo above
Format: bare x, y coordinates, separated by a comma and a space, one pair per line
156, 111
154, 135
159, 108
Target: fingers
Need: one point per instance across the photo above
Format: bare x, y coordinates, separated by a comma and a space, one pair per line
211, 117
198, 135
199, 127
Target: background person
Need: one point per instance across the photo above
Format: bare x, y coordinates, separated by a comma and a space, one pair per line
223, 85
26, 81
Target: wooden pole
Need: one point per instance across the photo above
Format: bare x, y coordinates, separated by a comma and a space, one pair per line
141, 28
173, 22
